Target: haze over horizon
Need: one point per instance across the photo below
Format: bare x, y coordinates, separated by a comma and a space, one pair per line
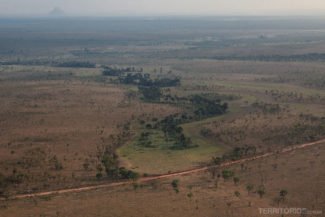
163, 7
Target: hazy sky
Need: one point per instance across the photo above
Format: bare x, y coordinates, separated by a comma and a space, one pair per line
164, 7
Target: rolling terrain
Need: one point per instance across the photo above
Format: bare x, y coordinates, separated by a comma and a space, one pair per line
161, 117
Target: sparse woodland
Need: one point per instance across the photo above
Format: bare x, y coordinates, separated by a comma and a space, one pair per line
126, 100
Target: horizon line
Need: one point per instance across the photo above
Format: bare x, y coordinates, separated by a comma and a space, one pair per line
167, 16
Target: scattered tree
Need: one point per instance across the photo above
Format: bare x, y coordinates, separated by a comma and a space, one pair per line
175, 184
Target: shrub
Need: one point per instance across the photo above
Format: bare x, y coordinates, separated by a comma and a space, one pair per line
57, 165
261, 191
99, 175
226, 174
128, 174
236, 180
175, 184
249, 188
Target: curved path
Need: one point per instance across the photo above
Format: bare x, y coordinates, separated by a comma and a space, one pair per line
182, 173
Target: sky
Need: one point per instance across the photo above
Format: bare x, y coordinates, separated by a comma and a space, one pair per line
163, 7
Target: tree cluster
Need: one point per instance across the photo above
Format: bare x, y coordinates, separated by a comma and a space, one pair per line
206, 107
172, 130
114, 71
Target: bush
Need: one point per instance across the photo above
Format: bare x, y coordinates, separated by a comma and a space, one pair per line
56, 164
3, 184
283, 194
261, 191
128, 174
175, 184
236, 180
205, 132
226, 174
99, 175
249, 187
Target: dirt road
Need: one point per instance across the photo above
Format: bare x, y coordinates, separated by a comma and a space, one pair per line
182, 173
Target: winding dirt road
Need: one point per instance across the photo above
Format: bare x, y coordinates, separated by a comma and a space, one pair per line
158, 177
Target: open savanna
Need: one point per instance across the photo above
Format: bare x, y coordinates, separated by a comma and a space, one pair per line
269, 108
64, 123
52, 120
299, 173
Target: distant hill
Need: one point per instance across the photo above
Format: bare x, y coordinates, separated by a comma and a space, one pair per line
57, 12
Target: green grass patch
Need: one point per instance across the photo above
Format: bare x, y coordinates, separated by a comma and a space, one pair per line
158, 155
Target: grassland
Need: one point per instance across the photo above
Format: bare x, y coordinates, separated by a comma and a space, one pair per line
198, 194
56, 122
150, 160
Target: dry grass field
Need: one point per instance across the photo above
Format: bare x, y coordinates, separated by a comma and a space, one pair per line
100, 101
300, 173
49, 124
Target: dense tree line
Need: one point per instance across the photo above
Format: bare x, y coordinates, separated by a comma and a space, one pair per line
144, 79
114, 71
149, 88
198, 107
131, 75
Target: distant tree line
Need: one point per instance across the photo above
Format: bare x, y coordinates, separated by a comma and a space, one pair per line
200, 105
149, 88
144, 79
132, 75
278, 58
68, 64
75, 64
114, 71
